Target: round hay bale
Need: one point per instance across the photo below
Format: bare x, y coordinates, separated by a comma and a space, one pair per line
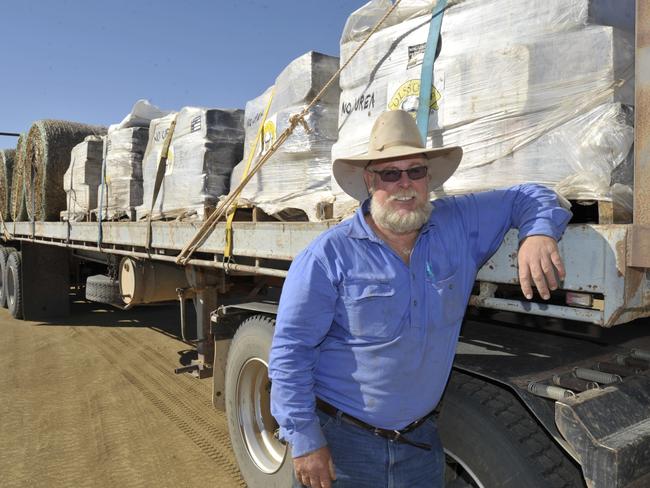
49, 144
6, 172
17, 201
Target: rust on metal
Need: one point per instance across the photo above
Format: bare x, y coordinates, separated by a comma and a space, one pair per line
640, 249
639, 255
621, 252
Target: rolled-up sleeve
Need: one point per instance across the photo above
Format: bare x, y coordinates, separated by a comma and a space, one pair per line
304, 317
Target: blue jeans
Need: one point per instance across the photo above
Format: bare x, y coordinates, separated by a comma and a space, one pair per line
363, 460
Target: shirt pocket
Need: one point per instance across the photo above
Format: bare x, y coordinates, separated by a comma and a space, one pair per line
369, 309
448, 299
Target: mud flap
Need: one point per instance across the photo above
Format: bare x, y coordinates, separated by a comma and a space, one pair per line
45, 281
609, 430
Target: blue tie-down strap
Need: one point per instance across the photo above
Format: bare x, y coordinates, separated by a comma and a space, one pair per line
426, 77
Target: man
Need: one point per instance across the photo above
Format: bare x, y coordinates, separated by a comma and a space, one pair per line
370, 312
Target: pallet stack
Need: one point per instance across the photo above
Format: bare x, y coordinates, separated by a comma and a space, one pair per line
295, 181
126, 142
82, 179
532, 91
205, 146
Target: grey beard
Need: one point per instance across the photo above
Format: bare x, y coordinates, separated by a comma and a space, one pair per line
400, 224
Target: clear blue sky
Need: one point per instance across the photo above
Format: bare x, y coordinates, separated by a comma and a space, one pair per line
89, 61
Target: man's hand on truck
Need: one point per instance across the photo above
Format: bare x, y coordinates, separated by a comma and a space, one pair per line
539, 259
315, 469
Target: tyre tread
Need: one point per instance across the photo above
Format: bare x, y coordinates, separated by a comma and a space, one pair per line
4, 255
14, 262
557, 470
248, 341
103, 289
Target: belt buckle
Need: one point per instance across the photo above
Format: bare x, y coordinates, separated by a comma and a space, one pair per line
391, 435
398, 436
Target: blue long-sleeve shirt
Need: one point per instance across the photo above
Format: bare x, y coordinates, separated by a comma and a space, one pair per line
374, 336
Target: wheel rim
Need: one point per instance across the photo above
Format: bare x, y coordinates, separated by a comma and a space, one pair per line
458, 474
10, 288
256, 424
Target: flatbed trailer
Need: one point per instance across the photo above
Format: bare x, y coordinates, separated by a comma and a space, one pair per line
600, 287
509, 345
542, 393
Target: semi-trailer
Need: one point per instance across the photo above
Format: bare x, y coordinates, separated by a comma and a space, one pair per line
543, 393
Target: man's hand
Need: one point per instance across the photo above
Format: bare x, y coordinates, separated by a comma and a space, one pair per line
315, 469
538, 259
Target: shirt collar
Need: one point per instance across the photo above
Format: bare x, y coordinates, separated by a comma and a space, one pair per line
359, 228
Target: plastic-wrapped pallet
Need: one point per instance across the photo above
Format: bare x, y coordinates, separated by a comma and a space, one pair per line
515, 83
296, 179
205, 146
82, 178
122, 190
158, 130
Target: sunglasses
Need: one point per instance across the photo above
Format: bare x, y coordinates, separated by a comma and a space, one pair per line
393, 175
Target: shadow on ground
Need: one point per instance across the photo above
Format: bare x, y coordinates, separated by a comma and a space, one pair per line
164, 318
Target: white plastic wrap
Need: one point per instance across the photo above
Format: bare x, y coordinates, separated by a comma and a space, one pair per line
515, 103
492, 20
578, 158
205, 146
82, 178
142, 113
298, 175
158, 130
122, 190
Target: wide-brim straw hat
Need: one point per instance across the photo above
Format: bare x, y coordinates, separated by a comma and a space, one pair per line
395, 134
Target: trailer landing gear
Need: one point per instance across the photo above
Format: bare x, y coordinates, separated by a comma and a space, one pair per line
205, 285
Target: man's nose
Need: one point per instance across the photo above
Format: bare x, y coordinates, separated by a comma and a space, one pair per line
404, 180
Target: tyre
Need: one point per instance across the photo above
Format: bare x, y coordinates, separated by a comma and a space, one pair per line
14, 285
491, 440
4, 255
263, 460
103, 289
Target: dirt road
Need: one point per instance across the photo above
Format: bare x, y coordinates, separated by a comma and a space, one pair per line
92, 401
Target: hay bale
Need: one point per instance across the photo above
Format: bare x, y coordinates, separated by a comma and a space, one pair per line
49, 144
6, 169
17, 208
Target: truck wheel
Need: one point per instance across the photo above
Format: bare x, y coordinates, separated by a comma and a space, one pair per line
4, 255
14, 285
263, 460
491, 440
103, 289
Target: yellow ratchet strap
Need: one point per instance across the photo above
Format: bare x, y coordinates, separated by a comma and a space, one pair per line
227, 252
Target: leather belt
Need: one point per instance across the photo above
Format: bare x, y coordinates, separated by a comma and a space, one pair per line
392, 435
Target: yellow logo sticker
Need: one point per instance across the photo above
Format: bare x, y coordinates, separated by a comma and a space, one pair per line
268, 134
169, 166
407, 96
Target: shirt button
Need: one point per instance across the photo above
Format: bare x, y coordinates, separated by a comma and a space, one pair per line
413, 275
415, 302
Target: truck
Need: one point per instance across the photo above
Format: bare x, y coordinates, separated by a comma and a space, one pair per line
542, 393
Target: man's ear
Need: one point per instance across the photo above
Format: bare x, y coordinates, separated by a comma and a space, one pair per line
368, 178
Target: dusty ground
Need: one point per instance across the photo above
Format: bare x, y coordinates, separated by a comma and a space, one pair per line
92, 401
